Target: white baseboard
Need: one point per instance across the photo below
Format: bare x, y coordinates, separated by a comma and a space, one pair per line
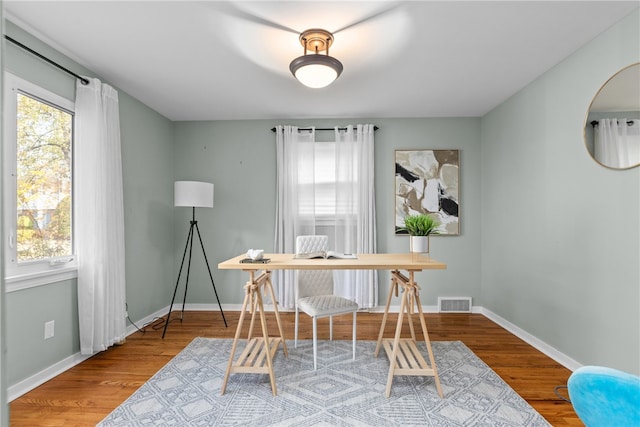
538, 344
28, 384
545, 348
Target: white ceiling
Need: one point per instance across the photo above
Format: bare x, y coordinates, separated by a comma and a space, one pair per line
207, 60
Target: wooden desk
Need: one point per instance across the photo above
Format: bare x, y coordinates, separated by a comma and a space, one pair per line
404, 357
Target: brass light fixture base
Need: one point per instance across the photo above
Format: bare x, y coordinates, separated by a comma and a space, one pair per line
316, 40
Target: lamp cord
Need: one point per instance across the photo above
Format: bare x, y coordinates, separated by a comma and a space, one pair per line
556, 390
155, 324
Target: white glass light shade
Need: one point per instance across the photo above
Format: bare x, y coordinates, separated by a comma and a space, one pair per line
316, 71
193, 194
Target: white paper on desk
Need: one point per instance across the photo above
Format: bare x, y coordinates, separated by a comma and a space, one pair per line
255, 254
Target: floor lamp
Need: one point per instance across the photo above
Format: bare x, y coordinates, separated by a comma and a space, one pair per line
192, 194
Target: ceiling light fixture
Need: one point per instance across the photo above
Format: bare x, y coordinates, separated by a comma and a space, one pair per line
315, 70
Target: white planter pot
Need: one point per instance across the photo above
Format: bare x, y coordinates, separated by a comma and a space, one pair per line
419, 244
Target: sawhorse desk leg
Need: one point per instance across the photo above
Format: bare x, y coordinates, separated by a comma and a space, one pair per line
404, 356
257, 356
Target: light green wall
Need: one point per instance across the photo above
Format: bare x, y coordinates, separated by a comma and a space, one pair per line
561, 234
147, 169
239, 158
147, 148
27, 311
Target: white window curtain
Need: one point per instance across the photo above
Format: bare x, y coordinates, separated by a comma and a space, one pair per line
355, 230
617, 143
294, 156
336, 199
99, 218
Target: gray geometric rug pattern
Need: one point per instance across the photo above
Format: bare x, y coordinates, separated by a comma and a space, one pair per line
342, 392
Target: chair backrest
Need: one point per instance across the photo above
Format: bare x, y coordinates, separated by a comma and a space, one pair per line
313, 282
605, 396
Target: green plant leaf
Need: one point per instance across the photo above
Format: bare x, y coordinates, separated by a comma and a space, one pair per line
421, 225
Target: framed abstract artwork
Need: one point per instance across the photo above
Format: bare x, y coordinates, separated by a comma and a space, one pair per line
428, 182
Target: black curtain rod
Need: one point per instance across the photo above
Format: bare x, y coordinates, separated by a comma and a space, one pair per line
595, 123
33, 52
375, 128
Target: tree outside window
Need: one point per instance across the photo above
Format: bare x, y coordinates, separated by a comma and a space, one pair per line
44, 181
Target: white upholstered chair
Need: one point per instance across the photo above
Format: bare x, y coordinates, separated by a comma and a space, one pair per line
314, 294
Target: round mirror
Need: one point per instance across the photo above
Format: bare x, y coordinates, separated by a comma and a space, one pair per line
612, 128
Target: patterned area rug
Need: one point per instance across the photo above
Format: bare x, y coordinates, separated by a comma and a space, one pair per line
342, 392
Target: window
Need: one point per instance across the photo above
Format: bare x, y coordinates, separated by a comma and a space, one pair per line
326, 182
38, 182
326, 190
317, 184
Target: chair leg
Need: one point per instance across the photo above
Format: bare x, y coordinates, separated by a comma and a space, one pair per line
295, 336
354, 335
315, 343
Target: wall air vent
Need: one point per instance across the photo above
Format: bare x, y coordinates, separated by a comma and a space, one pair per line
454, 304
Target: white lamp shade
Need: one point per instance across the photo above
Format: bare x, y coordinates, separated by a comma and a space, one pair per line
193, 194
316, 75
316, 71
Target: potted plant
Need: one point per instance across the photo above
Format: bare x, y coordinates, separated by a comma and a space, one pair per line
419, 227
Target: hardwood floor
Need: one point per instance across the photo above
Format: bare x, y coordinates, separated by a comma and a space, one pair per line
85, 394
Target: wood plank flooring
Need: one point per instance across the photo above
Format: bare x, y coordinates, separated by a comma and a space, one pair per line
85, 394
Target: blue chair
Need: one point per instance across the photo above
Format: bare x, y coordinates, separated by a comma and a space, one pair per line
605, 396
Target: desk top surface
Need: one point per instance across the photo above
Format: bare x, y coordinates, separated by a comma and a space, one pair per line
404, 261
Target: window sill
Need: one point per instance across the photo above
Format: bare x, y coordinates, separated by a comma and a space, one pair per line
26, 281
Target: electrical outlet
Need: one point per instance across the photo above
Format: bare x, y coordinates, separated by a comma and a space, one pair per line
49, 329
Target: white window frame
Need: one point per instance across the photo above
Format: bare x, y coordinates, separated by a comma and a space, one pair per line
40, 272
